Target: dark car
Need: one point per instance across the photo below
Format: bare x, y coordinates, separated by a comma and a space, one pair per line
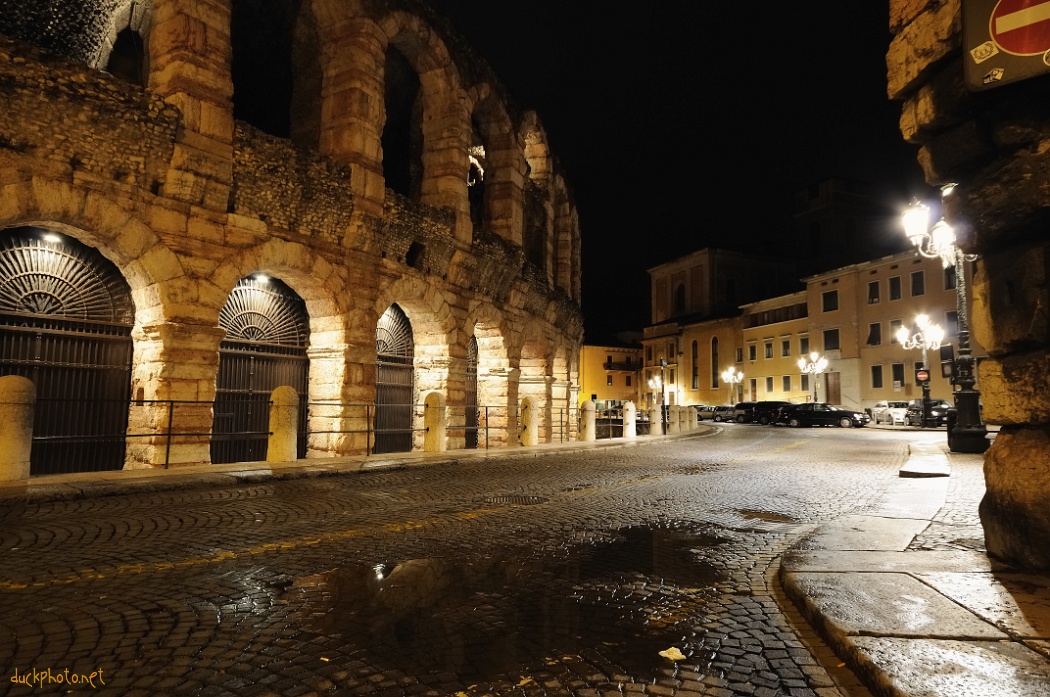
744, 411
765, 411
938, 412
821, 414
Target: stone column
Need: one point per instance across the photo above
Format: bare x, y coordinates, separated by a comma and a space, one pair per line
588, 427
630, 420
529, 423
656, 422
17, 401
190, 57
993, 146
672, 418
435, 423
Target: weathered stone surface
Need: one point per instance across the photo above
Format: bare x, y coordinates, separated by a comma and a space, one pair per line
1015, 511
1012, 300
1015, 389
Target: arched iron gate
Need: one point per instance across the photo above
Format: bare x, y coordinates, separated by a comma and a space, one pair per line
395, 382
65, 323
470, 400
267, 335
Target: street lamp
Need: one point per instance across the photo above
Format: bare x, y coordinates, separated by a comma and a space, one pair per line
732, 378
816, 365
969, 434
930, 337
656, 384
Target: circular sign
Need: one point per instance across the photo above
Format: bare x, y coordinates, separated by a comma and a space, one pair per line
1021, 27
922, 376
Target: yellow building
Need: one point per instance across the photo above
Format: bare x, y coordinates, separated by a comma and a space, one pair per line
609, 375
775, 335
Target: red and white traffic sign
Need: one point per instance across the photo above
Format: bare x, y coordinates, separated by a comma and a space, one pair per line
1021, 27
922, 376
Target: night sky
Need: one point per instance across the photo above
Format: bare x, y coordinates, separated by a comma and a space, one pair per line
689, 124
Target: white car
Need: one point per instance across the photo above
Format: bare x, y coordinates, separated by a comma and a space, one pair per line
886, 412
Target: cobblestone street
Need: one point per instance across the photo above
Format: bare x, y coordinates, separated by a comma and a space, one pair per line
564, 574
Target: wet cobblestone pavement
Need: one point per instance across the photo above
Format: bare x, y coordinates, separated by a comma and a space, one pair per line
566, 574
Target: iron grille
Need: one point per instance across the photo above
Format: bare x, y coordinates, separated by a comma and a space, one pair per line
395, 382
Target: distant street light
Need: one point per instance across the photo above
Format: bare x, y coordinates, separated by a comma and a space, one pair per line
816, 365
930, 337
732, 378
969, 434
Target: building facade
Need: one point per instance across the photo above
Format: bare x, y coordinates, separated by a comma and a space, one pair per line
609, 375
203, 201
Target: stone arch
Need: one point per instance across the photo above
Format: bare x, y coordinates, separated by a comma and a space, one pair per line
504, 163
535, 378
129, 18
562, 247
537, 150
497, 391
564, 392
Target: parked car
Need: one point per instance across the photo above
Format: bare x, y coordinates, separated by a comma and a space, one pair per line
743, 412
938, 412
704, 411
821, 414
724, 412
765, 410
886, 412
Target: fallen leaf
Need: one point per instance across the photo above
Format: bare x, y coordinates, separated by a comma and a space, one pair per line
673, 654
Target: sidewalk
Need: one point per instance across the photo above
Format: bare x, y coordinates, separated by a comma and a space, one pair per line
921, 623
911, 623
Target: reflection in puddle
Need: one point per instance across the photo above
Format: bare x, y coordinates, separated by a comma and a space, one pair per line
487, 619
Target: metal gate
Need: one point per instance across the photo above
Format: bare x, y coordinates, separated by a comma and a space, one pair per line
470, 400
65, 323
395, 382
267, 334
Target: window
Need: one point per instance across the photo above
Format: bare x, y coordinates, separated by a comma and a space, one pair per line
895, 325
785, 347
803, 345
873, 292
876, 377
608, 359
714, 362
740, 355
769, 349
951, 323
804, 386
769, 385
649, 353
786, 383
608, 380
679, 298
898, 374
831, 339
918, 283
949, 278
628, 361
895, 288
696, 367
752, 352
830, 300
875, 334
628, 380
671, 382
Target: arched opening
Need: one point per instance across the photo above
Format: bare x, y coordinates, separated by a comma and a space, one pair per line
65, 323
470, 395
395, 382
267, 337
402, 138
536, 223
476, 178
127, 60
261, 37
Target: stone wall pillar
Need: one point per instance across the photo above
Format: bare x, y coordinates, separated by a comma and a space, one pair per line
190, 54
630, 420
588, 427
435, 423
529, 426
656, 423
17, 402
994, 146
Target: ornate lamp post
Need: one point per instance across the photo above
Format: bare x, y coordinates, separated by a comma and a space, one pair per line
929, 336
969, 433
732, 378
816, 365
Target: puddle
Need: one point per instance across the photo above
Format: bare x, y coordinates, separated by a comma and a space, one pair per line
487, 619
767, 516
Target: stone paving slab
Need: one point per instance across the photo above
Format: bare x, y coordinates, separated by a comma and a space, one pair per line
919, 499
905, 562
858, 532
951, 668
885, 604
1017, 603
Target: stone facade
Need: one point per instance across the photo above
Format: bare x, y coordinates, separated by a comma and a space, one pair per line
994, 144
162, 180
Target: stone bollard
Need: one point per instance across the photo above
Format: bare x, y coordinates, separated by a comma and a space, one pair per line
630, 420
530, 432
435, 423
283, 445
17, 401
672, 419
588, 428
656, 422
683, 419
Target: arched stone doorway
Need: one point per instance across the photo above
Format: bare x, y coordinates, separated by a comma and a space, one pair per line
395, 382
267, 336
65, 323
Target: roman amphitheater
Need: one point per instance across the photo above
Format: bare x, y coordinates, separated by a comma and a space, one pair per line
202, 201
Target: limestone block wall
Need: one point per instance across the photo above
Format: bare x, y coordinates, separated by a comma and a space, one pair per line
996, 144
161, 180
